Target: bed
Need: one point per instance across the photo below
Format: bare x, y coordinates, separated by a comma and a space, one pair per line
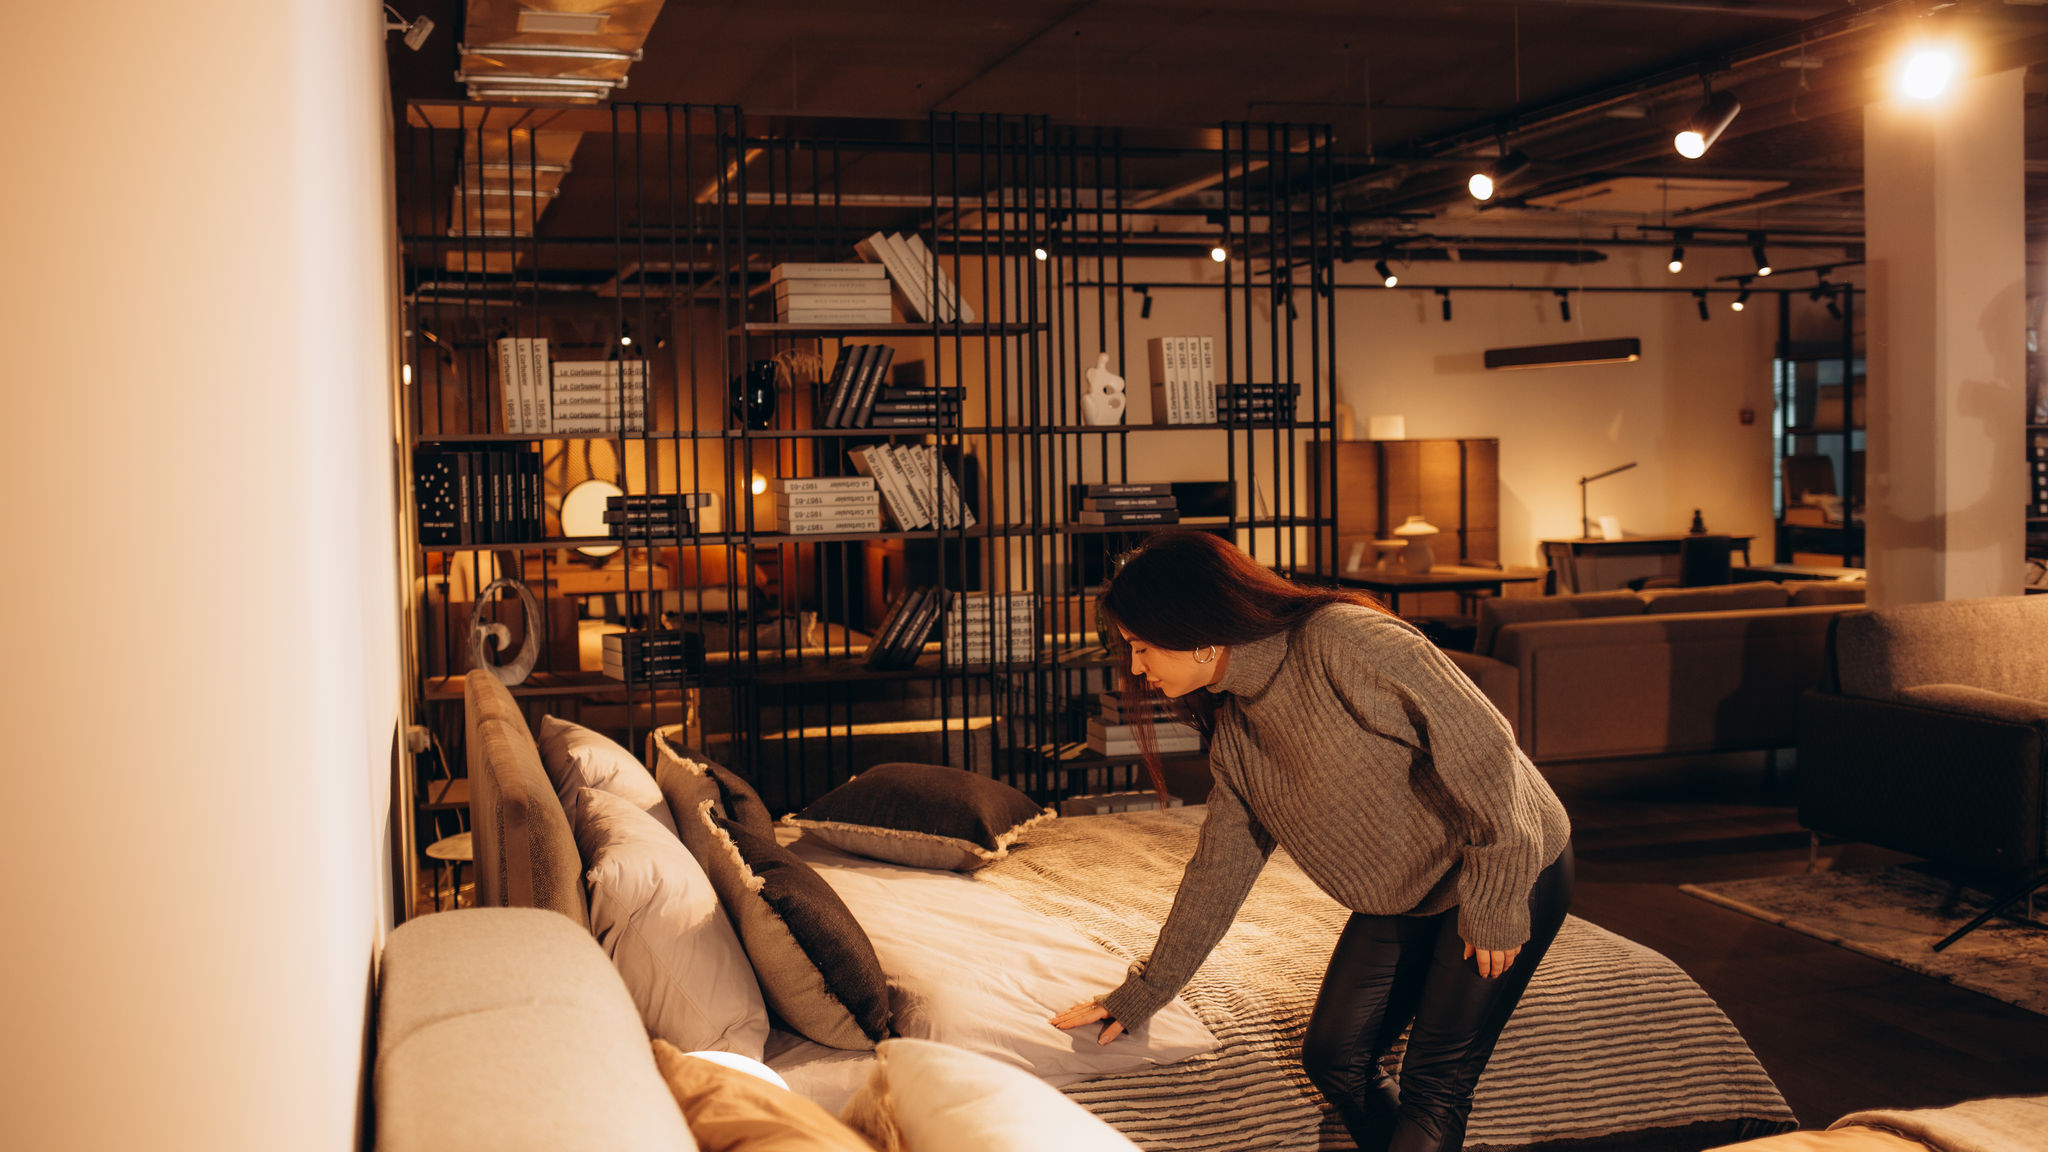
1613, 1046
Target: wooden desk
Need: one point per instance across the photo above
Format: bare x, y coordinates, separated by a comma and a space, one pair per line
1441, 578
1591, 565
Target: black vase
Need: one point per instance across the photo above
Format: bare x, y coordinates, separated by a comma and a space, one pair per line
753, 395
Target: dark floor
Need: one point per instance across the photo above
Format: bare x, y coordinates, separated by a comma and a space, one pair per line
1836, 1030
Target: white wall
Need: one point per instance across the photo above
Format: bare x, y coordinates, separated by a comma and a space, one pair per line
1677, 412
200, 603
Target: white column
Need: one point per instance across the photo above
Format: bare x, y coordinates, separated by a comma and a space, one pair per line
1944, 208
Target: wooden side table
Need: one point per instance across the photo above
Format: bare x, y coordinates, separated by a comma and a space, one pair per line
450, 852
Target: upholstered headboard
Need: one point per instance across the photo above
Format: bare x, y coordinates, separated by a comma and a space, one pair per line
525, 851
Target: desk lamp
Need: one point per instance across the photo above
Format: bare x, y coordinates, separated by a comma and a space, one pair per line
1585, 521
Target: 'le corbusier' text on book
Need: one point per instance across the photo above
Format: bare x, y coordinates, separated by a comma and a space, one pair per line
818, 504
599, 396
523, 384
1183, 379
991, 628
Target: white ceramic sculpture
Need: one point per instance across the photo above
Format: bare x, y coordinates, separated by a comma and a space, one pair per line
1102, 394
1419, 556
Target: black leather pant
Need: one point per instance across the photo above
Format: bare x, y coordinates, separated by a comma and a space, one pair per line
1391, 971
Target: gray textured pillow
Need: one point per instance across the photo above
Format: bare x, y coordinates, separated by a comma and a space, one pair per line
816, 967
921, 815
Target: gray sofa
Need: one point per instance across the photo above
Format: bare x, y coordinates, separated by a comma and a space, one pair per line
1655, 673
1928, 736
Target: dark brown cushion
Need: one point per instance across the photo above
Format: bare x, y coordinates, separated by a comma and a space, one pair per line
817, 969
1498, 612
922, 815
1809, 592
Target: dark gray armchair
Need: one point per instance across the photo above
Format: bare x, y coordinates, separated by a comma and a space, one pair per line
1927, 737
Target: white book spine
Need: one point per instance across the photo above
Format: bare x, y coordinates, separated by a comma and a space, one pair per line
825, 272
815, 527
539, 383
1208, 386
876, 249
820, 484
897, 500
508, 384
919, 277
908, 462
941, 284
864, 315
1176, 379
867, 498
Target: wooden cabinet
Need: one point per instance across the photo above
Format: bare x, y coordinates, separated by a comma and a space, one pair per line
1454, 484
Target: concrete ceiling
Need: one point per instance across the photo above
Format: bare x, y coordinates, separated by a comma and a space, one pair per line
1417, 93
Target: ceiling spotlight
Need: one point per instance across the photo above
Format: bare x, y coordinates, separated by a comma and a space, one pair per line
1757, 253
1386, 274
1564, 305
1707, 124
416, 30
1145, 309
1677, 263
1445, 295
1494, 176
1699, 300
1039, 254
1927, 72
1218, 254
1741, 300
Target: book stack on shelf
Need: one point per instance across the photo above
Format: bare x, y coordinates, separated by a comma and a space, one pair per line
2037, 468
489, 495
1257, 403
917, 487
666, 655
899, 641
598, 396
662, 516
991, 628
1183, 379
523, 384
859, 376
928, 292
830, 293
809, 505
1126, 504
1113, 731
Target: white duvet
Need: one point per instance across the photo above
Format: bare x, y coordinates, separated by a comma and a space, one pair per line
970, 966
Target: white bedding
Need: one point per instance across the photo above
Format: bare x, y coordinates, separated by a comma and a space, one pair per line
970, 966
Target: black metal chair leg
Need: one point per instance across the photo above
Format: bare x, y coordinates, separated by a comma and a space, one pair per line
2023, 893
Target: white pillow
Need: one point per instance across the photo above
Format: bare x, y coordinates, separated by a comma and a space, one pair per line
937, 1098
577, 758
653, 910
973, 967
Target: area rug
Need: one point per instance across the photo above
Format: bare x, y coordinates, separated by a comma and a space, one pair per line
1896, 914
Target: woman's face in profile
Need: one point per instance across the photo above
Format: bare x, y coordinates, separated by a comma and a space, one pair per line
1164, 669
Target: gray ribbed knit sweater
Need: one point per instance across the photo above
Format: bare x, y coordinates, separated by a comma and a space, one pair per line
1382, 770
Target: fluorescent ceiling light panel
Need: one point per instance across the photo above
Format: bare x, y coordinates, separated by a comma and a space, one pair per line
562, 23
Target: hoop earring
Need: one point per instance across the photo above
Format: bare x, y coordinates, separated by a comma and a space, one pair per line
1209, 659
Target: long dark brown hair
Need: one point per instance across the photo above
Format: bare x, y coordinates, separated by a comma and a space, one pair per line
1185, 590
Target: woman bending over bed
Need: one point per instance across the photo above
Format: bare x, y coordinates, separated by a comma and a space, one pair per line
1336, 731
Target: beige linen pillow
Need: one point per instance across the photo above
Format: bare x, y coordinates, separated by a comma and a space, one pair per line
654, 911
732, 1111
577, 758
816, 966
926, 1097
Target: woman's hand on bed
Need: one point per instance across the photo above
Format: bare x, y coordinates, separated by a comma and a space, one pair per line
1088, 1013
1492, 961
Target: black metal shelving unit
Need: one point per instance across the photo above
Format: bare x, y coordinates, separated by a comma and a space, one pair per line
700, 202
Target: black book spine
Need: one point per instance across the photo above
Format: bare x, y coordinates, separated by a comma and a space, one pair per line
871, 382
433, 483
910, 645
890, 627
856, 363
822, 399
1136, 516
1087, 491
